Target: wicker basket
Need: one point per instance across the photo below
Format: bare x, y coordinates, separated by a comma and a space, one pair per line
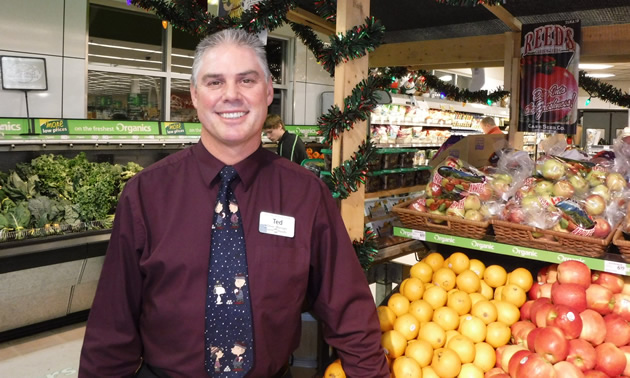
622, 244
520, 234
450, 225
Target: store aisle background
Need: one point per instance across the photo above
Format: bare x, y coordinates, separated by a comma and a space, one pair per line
55, 354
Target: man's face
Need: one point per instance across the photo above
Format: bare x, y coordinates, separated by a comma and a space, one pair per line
231, 97
275, 133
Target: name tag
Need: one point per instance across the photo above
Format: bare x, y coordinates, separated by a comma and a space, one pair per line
275, 224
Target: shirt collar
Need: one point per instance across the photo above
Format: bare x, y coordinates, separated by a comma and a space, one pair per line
247, 169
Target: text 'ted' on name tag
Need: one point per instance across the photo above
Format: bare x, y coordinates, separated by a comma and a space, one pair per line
276, 224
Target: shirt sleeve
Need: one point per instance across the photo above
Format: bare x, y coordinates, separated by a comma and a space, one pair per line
341, 296
112, 345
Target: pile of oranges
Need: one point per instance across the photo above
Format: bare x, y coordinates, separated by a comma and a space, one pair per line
449, 316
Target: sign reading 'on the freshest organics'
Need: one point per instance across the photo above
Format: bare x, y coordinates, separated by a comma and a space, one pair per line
511, 250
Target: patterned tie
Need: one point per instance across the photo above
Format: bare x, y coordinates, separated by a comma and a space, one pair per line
229, 336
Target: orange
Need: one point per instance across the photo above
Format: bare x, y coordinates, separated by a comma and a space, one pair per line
404, 366
413, 289
498, 334
435, 260
422, 310
445, 277
334, 370
436, 296
477, 266
446, 363
514, 294
497, 292
386, 318
394, 343
407, 325
468, 281
485, 310
486, 290
401, 287
421, 351
521, 277
507, 312
446, 317
428, 372
476, 297
458, 262
445, 263
485, 356
450, 334
495, 276
398, 303
464, 347
432, 333
422, 271
470, 370
459, 301
474, 328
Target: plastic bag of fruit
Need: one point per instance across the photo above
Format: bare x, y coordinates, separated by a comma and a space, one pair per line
454, 178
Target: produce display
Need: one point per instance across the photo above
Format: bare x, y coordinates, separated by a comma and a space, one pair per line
456, 317
53, 195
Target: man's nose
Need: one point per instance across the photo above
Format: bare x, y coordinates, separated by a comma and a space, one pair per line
231, 91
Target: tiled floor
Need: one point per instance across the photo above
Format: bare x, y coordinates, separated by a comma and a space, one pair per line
55, 354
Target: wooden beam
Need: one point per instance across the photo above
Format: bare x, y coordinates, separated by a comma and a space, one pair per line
347, 76
602, 44
502, 14
300, 16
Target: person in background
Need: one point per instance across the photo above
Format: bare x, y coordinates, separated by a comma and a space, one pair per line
149, 317
489, 127
290, 145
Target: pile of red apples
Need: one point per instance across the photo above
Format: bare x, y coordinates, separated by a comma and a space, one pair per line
575, 324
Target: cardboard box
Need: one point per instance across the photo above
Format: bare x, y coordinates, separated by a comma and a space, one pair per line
473, 149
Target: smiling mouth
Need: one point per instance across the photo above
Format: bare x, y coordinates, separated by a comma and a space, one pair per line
232, 115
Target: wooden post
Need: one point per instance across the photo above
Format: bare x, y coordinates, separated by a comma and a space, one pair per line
511, 80
347, 75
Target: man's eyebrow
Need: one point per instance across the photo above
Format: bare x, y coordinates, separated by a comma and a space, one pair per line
241, 74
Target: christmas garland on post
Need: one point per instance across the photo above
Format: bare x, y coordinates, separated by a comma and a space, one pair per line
346, 178
366, 248
605, 91
327, 9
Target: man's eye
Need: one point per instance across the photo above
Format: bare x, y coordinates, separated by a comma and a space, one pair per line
214, 83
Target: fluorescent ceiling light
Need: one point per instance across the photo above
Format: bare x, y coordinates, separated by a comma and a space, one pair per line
446, 78
600, 75
586, 66
124, 48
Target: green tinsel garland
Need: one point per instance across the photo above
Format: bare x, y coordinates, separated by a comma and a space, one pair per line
605, 91
356, 107
191, 18
471, 3
366, 248
327, 9
346, 178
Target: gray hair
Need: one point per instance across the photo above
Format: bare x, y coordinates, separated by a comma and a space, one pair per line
230, 36
488, 121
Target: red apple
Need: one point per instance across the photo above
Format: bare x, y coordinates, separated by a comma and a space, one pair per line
551, 344
535, 366
595, 374
574, 272
517, 359
612, 281
600, 299
496, 372
516, 215
582, 354
548, 274
593, 327
534, 291
545, 289
602, 228
617, 330
520, 330
567, 320
542, 314
610, 359
594, 205
531, 338
566, 369
507, 354
622, 305
535, 305
572, 295
626, 350
526, 309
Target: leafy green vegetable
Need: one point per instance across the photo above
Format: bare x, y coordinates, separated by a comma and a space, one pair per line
18, 189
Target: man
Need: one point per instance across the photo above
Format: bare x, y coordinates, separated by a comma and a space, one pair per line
489, 127
150, 305
290, 145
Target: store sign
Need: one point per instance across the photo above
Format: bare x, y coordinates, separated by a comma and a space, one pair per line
118, 128
53, 126
550, 54
13, 126
181, 129
303, 131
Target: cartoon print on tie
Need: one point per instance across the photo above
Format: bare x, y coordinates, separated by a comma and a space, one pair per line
233, 206
238, 350
219, 290
239, 282
215, 354
220, 215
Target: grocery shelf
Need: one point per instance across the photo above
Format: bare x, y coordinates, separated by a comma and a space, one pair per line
612, 263
393, 192
397, 250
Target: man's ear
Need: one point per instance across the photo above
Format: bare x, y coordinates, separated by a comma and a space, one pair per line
269, 92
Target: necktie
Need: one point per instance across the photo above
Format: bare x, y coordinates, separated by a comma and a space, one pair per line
229, 336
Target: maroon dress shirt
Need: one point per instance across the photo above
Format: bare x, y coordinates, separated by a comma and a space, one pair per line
151, 295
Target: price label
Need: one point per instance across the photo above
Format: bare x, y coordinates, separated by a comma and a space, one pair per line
418, 235
615, 267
